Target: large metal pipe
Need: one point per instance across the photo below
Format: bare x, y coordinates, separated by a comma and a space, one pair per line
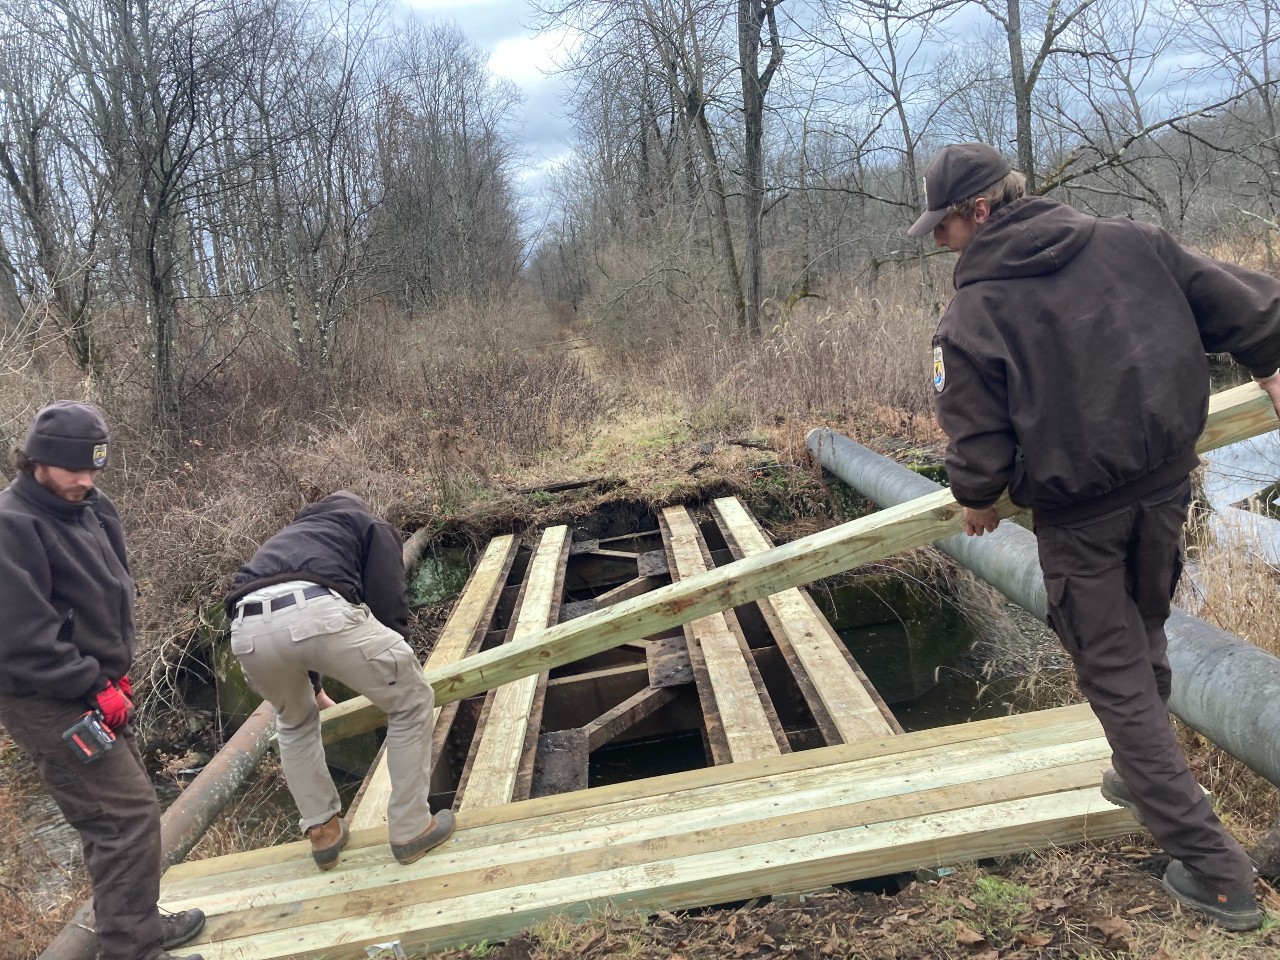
186, 820
1225, 688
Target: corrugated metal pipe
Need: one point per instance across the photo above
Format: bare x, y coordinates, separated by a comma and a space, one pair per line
1225, 688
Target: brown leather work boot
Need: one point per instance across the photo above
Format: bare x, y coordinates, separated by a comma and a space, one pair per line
438, 831
327, 841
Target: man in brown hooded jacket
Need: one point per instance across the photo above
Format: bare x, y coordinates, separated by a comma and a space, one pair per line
1070, 369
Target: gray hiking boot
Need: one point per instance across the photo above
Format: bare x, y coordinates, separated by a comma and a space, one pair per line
179, 928
1117, 791
1231, 909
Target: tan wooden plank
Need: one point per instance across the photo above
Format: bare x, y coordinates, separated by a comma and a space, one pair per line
470, 615
492, 779
852, 707
560, 863
1067, 723
496, 845
670, 815
746, 725
937, 827
1237, 414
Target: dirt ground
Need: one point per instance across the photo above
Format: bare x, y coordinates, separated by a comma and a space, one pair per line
1093, 901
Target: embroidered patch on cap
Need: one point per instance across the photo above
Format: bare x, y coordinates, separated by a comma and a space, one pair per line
939, 372
100, 453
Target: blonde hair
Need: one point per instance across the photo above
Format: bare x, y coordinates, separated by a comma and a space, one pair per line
1012, 186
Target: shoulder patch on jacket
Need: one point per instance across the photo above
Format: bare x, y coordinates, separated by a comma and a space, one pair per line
939, 371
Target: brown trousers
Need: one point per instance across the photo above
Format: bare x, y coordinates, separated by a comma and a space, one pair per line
112, 804
1110, 581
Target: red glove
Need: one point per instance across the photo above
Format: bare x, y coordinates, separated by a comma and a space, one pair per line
116, 708
125, 687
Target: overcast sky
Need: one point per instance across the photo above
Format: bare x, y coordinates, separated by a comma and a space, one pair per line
502, 28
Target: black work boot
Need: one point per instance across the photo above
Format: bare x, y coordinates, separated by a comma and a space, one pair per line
438, 831
1232, 909
186, 956
1117, 791
327, 841
179, 928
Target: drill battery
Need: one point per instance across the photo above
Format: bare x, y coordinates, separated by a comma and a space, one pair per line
90, 737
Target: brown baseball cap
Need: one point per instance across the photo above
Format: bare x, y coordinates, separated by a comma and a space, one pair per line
958, 172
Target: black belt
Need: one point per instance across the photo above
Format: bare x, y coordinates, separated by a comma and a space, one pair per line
288, 600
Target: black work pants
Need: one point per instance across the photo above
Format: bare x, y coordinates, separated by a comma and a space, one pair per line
1110, 581
112, 804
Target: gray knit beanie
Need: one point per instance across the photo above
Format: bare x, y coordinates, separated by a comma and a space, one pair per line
68, 434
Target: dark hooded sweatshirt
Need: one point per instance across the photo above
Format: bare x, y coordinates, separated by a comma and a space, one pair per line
1071, 368
66, 594
339, 544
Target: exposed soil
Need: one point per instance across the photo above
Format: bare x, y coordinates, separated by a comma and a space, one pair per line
1088, 902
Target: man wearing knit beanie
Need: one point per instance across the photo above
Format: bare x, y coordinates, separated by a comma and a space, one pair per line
68, 596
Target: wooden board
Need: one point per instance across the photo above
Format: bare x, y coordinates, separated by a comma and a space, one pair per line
787, 822
465, 627
852, 707
497, 763
1237, 414
737, 699
802, 561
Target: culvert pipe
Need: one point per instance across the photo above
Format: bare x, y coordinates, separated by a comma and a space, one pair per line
1223, 687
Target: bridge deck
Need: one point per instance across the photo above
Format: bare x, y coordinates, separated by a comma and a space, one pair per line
792, 822
771, 811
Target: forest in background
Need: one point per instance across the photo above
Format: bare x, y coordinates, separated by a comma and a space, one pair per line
197, 195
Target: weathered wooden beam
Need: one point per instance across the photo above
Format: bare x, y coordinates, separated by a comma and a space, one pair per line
614, 723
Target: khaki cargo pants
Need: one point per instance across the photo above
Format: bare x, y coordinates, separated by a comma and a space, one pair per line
341, 640
1110, 581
